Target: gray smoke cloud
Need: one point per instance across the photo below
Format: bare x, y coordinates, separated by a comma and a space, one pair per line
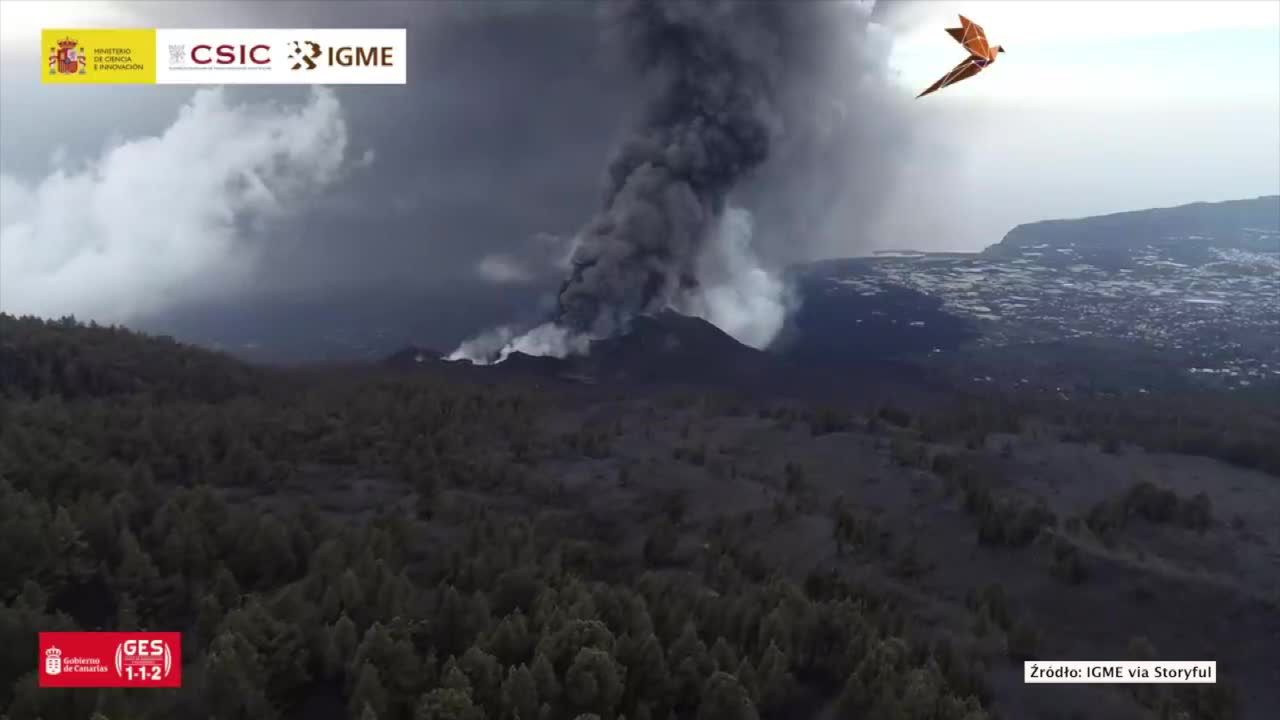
727, 82
716, 66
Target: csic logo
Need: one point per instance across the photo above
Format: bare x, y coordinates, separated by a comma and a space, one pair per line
341, 56
241, 54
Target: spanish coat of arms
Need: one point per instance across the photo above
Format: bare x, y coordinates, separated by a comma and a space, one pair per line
67, 58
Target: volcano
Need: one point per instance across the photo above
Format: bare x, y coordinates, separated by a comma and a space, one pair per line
667, 348
675, 348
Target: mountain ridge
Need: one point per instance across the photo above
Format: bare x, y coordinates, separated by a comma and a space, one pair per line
1247, 224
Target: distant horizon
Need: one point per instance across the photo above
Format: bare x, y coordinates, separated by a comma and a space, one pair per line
879, 251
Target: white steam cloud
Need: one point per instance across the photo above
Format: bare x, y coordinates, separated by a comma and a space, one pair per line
501, 269
735, 293
498, 344
529, 262
161, 220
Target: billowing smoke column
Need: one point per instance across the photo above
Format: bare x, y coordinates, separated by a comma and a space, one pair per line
710, 124
724, 76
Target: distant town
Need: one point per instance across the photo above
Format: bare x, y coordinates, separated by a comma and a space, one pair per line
1218, 318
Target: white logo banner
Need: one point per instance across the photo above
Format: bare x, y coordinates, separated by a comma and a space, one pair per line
223, 56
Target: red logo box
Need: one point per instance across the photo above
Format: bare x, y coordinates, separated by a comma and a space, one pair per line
110, 659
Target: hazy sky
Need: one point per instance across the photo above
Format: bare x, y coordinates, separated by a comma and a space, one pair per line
1095, 107
460, 189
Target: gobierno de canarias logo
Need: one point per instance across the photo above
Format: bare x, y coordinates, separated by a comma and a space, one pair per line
110, 659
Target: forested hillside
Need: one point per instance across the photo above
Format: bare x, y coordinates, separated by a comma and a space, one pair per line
349, 544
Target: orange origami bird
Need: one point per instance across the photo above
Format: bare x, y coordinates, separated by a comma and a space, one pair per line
981, 54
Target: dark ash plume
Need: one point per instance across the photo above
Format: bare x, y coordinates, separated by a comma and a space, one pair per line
717, 65
782, 108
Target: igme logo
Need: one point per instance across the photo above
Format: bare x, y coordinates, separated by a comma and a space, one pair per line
361, 56
304, 54
304, 57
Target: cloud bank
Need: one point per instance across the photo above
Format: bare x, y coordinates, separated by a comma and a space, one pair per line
178, 217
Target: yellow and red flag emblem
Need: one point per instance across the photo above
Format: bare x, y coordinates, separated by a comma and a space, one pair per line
79, 56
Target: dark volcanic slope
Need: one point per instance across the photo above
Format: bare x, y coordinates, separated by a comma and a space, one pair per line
663, 348
670, 349
838, 326
674, 347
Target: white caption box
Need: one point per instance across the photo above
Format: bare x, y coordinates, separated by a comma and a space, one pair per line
1121, 671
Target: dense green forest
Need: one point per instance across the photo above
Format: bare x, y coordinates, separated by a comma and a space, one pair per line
130, 474
1236, 427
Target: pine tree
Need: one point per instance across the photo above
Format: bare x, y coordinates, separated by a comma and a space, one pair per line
368, 691
453, 678
351, 593
276, 561
127, 614
594, 682
235, 680
690, 665
774, 678
646, 664
485, 674
340, 648
723, 656
544, 676
448, 704
725, 699
746, 675
136, 574
520, 693
32, 598
68, 546
511, 641
375, 648
225, 588
921, 693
